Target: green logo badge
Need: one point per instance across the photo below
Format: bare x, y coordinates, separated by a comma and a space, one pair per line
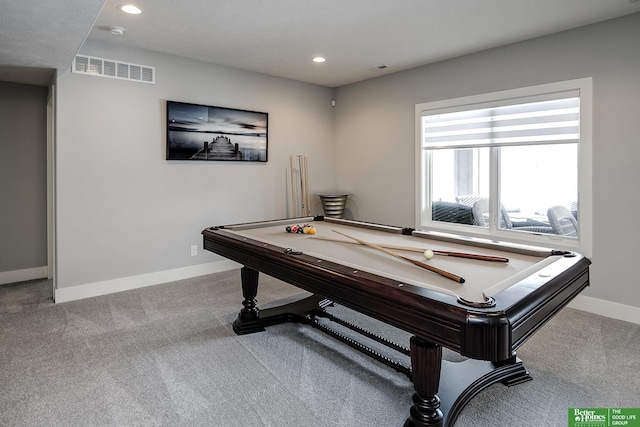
604, 417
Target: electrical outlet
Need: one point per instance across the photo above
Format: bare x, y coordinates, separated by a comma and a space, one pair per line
194, 250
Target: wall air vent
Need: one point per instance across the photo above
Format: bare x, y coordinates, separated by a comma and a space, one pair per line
113, 69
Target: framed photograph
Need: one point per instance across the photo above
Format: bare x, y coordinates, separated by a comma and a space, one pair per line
202, 132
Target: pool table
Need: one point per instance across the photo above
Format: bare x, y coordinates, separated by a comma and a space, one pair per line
484, 317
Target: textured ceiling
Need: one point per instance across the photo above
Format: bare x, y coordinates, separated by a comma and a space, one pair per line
39, 36
279, 37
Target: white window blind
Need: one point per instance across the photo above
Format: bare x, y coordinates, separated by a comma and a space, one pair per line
520, 122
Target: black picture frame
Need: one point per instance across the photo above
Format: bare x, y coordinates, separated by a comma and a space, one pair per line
210, 133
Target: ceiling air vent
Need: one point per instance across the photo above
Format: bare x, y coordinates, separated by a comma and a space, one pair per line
113, 69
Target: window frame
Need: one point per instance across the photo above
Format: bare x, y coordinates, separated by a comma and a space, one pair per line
583, 242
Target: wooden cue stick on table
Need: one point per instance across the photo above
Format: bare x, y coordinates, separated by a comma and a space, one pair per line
436, 252
431, 268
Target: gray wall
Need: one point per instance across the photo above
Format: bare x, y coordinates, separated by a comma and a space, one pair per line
375, 125
23, 176
123, 210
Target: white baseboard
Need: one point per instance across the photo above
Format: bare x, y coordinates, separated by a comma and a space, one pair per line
22, 275
605, 308
134, 282
592, 305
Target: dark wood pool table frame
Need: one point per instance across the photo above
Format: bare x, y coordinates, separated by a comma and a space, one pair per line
488, 337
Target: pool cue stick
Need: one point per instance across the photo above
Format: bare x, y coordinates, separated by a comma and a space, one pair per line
306, 180
304, 184
294, 209
431, 268
435, 252
303, 208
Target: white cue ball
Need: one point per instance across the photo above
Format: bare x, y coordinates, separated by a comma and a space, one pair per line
428, 254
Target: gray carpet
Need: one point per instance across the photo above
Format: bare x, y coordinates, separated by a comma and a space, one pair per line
166, 356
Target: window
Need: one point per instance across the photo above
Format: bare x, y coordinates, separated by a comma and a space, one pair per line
512, 165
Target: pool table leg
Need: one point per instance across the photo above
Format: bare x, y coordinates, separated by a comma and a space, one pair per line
251, 319
249, 311
426, 362
438, 404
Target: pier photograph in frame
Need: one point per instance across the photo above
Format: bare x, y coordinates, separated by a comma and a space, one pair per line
202, 132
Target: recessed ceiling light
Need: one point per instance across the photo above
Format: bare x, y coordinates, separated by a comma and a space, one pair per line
130, 9
319, 59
